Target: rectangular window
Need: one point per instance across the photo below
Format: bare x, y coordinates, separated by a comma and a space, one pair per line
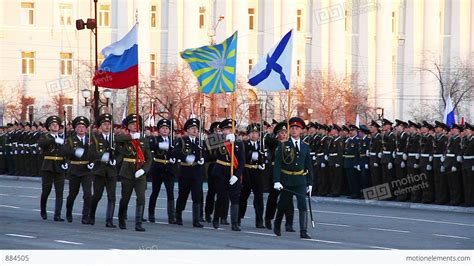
27, 63
250, 64
202, 13
394, 23
104, 16
299, 20
27, 13
346, 21
298, 68
153, 17
152, 65
65, 14
66, 63
251, 18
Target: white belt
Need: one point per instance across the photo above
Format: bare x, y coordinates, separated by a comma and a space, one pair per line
1, 153
468, 157
437, 155
387, 152
399, 153
320, 154
312, 153
425, 155
333, 154
450, 155
413, 154
373, 154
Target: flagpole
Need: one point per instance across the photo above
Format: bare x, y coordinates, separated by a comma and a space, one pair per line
233, 132
289, 114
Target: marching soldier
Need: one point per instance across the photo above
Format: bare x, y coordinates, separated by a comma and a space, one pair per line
162, 170
136, 158
440, 179
252, 180
413, 153
351, 163
336, 161
52, 169
468, 166
400, 155
293, 174
228, 186
363, 157
78, 153
389, 147
104, 172
426, 162
375, 150
189, 150
211, 185
452, 166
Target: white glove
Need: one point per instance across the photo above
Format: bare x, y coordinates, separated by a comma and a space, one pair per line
357, 167
261, 167
431, 158
428, 167
472, 169
376, 165
309, 189
453, 169
233, 179
417, 156
135, 135
16, 152
254, 156
314, 157
323, 165
64, 166
163, 146
90, 166
79, 152
172, 160
405, 156
336, 165
139, 173
105, 157
402, 165
112, 162
393, 155
190, 159
367, 153
415, 166
230, 137
201, 161
59, 141
366, 167
379, 155
390, 166
278, 186
442, 159
459, 159
326, 157
442, 169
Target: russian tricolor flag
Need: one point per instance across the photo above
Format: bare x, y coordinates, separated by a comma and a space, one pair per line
449, 112
120, 67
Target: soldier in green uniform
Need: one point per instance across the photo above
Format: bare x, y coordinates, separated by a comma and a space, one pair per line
413, 159
351, 163
336, 161
452, 166
440, 180
468, 166
426, 161
136, 158
401, 128
375, 149
293, 174
363, 157
52, 169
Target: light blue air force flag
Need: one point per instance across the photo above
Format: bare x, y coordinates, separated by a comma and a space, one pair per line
273, 73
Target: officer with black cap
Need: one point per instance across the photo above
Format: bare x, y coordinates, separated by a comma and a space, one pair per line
402, 133
52, 169
375, 153
363, 156
212, 139
468, 166
440, 179
162, 170
413, 158
351, 162
104, 173
335, 161
252, 180
136, 158
293, 175
228, 185
81, 163
190, 152
426, 162
452, 165
389, 147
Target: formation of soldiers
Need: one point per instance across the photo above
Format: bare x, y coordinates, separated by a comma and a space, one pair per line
417, 162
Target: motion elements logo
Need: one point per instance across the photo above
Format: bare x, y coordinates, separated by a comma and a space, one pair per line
410, 183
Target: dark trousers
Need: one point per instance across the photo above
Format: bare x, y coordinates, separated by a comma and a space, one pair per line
110, 184
252, 182
455, 186
353, 181
188, 185
325, 184
47, 180
441, 182
468, 184
211, 193
10, 163
226, 193
428, 195
286, 196
271, 207
75, 182
416, 193
128, 185
376, 174
157, 179
400, 174
336, 176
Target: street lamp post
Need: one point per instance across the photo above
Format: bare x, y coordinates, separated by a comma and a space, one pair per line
96, 102
379, 112
91, 24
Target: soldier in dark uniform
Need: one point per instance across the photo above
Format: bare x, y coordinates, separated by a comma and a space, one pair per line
322, 158
135, 154
363, 157
293, 174
281, 135
190, 151
104, 173
426, 162
3, 140
228, 183
413, 158
400, 155
468, 166
213, 137
79, 173
452, 166
351, 163
10, 149
336, 161
440, 178
389, 148
162, 170
252, 180
52, 169
375, 149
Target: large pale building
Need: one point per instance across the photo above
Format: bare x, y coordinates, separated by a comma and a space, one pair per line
385, 43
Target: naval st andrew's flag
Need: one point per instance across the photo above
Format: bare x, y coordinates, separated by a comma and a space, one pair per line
274, 72
120, 67
449, 118
214, 65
